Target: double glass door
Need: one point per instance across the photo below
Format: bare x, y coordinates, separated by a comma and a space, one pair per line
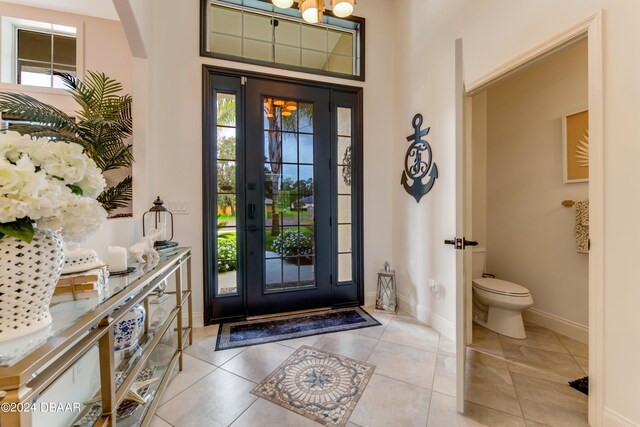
279, 199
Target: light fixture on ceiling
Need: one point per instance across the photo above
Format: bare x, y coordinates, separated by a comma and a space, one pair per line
278, 102
291, 106
283, 4
312, 10
286, 113
342, 8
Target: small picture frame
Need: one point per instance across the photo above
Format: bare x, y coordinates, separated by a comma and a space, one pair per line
575, 147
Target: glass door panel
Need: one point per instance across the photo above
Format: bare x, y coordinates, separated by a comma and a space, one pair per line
290, 261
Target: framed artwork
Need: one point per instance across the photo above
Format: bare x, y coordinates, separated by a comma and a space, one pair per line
575, 147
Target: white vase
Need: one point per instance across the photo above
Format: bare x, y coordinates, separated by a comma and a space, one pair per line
28, 276
129, 328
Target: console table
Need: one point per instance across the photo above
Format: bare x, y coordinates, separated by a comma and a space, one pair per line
75, 377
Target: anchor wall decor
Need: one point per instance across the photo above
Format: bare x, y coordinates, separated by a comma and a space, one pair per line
416, 167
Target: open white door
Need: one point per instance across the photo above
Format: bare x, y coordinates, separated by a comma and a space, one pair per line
461, 353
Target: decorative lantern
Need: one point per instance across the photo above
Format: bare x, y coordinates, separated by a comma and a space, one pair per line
386, 293
160, 219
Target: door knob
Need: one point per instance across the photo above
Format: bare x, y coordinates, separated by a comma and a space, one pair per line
470, 243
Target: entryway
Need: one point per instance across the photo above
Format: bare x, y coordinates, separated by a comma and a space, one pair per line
282, 195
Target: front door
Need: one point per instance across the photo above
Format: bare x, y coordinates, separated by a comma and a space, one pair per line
282, 197
288, 187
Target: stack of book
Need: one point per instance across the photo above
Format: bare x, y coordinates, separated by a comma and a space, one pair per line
80, 286
167, 249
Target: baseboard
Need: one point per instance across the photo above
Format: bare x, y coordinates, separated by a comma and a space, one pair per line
611, 419
558, 324
198, 320
437, 322
370, 298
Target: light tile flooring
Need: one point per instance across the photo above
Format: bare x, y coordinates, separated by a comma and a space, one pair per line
509, 382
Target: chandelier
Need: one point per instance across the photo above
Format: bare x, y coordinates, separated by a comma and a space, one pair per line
312, 10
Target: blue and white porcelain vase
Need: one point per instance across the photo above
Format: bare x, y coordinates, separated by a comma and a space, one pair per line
127, 330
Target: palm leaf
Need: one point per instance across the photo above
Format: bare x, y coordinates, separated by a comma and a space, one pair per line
117, 196
23, 107
104, 124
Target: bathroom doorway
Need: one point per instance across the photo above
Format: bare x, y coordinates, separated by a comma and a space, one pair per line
523, 212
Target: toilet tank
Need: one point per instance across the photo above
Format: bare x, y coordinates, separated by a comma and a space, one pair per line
477, 262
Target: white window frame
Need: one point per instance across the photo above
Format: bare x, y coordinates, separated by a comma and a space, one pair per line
9, 26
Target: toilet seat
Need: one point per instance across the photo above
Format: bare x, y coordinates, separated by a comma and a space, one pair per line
500, 287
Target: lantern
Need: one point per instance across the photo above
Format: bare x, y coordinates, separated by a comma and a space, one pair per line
160, 219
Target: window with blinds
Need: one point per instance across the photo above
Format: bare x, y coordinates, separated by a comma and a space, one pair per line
40, 54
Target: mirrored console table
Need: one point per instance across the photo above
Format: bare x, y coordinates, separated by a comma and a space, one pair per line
78, 376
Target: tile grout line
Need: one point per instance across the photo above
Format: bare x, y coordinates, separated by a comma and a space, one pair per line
155, 414
245, 410
570, 353
433, 380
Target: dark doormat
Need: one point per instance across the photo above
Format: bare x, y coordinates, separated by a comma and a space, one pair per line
581, 384
262, 331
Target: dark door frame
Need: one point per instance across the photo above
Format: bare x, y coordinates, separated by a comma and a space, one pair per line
345, 294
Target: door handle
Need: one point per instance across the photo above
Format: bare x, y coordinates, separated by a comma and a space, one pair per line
252, 211
253, 228
460, 243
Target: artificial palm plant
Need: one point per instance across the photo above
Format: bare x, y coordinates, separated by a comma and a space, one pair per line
102, 125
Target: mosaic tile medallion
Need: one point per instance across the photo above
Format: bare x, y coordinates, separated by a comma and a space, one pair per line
322, 386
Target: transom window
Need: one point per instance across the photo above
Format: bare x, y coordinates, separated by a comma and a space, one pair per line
252, 31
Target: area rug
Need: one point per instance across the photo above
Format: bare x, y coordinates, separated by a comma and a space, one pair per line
321, 386
261, 331
581, 384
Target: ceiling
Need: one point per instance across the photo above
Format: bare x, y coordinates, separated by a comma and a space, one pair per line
98, 8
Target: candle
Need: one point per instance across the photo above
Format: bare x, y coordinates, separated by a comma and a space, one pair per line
117, 258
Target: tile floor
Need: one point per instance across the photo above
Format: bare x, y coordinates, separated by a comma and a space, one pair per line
509, 382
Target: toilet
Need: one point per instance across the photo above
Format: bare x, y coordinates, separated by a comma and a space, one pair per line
498, 304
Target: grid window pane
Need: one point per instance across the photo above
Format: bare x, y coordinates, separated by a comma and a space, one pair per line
225, 20
287, 33
226, 110
340, 64
340, 43
345, 273
288, 55
257, 50
226, 45
34, 45
344, 209
257, 27
64, 50
314, 38
344, 121
313, 59
290, 148
344, 238
305, 117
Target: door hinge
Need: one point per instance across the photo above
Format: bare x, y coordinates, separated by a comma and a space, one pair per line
330, 222
330, 107
331, 278
243, 81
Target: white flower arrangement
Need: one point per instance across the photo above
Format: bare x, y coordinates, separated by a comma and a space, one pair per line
52, 184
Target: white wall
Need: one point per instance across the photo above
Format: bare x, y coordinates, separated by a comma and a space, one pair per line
530, 235
172, 156
494, 32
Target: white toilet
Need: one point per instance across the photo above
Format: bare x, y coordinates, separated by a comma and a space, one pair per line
498, 304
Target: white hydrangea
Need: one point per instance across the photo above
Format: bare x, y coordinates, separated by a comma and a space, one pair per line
34, 182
